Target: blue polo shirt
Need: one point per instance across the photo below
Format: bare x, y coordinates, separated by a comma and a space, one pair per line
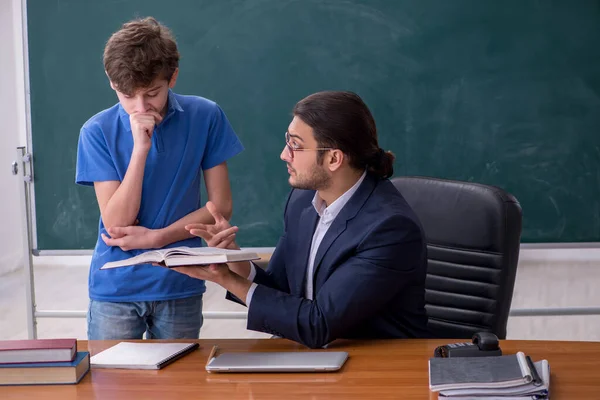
194, 136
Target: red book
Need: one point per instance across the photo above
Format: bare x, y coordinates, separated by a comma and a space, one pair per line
38, 350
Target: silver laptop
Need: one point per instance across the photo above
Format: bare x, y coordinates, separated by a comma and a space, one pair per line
310, 361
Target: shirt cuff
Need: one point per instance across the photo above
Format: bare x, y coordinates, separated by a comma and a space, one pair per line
252, 273
250, 293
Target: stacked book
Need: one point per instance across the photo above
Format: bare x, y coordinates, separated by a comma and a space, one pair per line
42, 362
502, 377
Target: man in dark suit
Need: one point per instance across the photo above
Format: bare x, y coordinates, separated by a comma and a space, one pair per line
352, 260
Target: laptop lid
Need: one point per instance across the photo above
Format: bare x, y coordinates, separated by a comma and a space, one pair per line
310, 361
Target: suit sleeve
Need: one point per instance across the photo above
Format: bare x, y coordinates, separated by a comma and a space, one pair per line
386, 261
275, 275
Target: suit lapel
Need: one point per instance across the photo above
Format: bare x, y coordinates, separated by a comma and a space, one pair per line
349, 211
306, 226
337, 227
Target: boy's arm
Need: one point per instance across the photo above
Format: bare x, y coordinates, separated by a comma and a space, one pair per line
119, 202
219, 193
138, 237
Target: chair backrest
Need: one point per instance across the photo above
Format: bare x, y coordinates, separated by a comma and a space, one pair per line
473, 238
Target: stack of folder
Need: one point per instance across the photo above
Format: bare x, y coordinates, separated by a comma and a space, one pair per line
504, 377
42, 362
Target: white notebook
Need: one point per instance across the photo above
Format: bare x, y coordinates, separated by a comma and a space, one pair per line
128, 355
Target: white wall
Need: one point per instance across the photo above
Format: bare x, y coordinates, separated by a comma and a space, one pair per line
12, 134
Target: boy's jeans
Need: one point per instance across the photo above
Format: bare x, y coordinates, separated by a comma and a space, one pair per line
167, 319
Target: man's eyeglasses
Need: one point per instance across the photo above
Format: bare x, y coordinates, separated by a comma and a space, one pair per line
293, 147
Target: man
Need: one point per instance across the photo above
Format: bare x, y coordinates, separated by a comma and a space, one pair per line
352, 259
145, 157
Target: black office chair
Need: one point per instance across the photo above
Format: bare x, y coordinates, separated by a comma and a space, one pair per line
473, 237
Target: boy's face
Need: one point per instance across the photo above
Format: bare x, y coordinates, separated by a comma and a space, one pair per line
151, 98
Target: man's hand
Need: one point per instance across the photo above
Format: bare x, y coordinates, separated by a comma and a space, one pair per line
132, 238
217, 273
142, 127
220, 234
221, 275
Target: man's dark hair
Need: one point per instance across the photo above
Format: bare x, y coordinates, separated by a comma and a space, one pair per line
341, 120
141, 51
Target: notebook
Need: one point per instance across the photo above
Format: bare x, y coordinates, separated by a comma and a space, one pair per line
465, 377
128, 355
310, 361
526, 391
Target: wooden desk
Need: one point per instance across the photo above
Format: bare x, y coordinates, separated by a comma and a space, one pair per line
389, 369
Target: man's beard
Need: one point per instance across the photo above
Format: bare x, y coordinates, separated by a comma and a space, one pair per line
315, 179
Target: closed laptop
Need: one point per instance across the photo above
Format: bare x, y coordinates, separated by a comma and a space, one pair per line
310, 361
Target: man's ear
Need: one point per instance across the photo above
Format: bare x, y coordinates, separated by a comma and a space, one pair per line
173, 78
335, 159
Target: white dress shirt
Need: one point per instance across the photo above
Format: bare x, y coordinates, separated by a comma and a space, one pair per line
326, 217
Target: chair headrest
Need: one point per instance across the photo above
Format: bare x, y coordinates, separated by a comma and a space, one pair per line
462, 214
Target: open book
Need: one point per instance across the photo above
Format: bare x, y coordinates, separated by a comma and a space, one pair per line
178, 256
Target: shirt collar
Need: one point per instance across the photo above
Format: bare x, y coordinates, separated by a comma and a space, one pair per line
330, 213
172, 106
173, 103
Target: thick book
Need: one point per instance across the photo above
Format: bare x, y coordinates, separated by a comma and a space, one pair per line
37, 350
127, 355
62, 373
510, 375
180, 256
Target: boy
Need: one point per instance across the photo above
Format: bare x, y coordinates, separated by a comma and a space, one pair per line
145, 156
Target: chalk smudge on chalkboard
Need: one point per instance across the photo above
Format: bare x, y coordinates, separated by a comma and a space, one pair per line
69, 216
253, 225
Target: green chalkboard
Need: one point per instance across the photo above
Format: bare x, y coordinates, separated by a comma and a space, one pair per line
497, 92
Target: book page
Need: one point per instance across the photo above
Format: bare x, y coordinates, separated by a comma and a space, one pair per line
185, 256
206, 255
189, 251
155, 256
197, 251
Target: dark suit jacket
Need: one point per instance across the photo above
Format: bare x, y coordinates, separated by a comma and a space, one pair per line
369, 272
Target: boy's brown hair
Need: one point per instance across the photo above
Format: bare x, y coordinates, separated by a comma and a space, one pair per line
141, 51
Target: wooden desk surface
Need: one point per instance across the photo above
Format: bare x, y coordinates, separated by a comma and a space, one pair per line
387, 369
